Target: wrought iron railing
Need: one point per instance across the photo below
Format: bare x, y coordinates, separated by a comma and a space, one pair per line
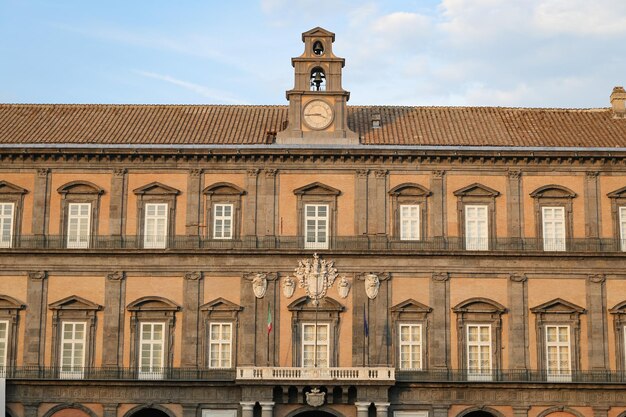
339, 243
511, 375
118, 373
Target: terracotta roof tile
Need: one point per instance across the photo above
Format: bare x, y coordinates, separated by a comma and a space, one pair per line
211, 124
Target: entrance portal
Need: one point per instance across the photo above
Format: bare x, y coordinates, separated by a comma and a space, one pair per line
149, 412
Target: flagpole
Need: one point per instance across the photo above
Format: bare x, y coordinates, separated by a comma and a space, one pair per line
269, 330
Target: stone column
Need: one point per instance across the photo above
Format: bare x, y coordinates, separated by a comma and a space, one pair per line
592, 205
361, 408
32, 409
117, 206
437, 210
41, 202
250, 209
190, 410
380, 202
114, 301
440, 410
194, 191
37, 301
382, 409
192, 300
600, 411
440, 333
247, 408
360, 223
518, 322
109, 410
520, 411
267, 408
269, 206
514, 204
597, 329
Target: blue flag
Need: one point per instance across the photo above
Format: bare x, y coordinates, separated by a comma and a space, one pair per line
366, 328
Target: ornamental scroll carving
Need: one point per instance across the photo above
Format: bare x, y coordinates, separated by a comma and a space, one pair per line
259, 282
193, 276
518, 277
38, 275
597, 279
441, 276
316, 276
116, 276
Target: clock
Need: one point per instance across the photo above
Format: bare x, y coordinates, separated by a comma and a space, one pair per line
318, 115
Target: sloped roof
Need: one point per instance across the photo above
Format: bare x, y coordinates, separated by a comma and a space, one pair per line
248, 125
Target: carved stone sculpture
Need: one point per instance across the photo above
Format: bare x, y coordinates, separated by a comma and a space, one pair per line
344, 287
289, 286
372, 283
259, 285
315, 276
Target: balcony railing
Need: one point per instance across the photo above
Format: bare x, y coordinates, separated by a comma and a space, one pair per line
340, 243
315, 374
512, 375
115, 373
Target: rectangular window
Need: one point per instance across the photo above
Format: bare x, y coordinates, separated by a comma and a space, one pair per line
151, 350
220, 345
316, 226
479, 352
4, 346
6, 224
223, 221
622, 227
315, 345
409, 222
72, 350
78, 223
476, 227
553, 228
558, 361
411, 346
155, 234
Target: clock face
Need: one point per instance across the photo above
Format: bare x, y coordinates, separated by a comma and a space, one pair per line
318, 114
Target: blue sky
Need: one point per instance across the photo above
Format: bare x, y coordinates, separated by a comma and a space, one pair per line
518, 53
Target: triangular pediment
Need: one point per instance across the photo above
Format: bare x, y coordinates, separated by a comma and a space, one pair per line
410, 189
156, 188
153, 304
74, 302
479, 305
80, 187
10, 303
319, 32
476, 190
553, 191
621, 193
223, 188
305, 303
411, 306
558, 306
220, 304
317, 188
8, 188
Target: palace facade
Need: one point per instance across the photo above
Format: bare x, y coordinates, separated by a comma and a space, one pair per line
315, 259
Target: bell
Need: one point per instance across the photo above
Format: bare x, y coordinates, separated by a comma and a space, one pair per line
318, 49
318, 79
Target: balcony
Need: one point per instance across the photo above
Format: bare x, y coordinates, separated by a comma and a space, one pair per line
291, 374
337, 243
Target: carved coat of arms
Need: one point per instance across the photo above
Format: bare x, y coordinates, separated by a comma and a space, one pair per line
315, 397
316, 276
372, 283
259, 285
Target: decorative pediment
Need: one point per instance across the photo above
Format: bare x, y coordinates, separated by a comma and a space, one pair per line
223, 188
74, 302
479, 305
409, 189
553, 191
153, 304
411, 306
317, 188
80, 187
156, 188
619, 308
325, 304
220, 304
558, 306
10, 303
319, 32
476, 190
8, 188
621, 193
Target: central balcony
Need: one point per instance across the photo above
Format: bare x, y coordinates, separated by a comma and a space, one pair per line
294, 374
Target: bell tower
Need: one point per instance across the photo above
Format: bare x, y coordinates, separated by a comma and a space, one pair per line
317, 103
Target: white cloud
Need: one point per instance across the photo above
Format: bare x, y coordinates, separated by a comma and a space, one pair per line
581, 17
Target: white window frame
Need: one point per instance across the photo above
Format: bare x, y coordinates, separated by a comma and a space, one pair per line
76, 368
480, 372
316, 240
152, 370
552, 227
622, 228
75, 237
220, 346
153, 239
220, 221
413, 347
410, 223
319, 360
6, 240
4, 346
476, 227
559, 374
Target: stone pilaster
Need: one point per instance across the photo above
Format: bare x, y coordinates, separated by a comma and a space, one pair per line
592, 205
253, 336
37, 301
193, 296
518, 322
194, 203
439, 351
269, 205
250, 207
247, 408
440, 411
267, 408
600, 411
597, 327
381, 201
32, 409
113, 326
117, 205
437, 210
379, 322
362, 408
382, 409
109, 410
190, 410
520, 411
41, 202
360, 221
514, 204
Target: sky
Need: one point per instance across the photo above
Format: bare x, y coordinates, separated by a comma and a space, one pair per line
511, 53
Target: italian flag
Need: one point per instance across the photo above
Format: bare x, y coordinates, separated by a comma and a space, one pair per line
269, 319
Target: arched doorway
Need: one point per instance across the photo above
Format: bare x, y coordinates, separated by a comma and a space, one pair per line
315, 412
480, 413
149, 412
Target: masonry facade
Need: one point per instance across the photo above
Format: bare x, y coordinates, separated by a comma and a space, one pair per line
316, 258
